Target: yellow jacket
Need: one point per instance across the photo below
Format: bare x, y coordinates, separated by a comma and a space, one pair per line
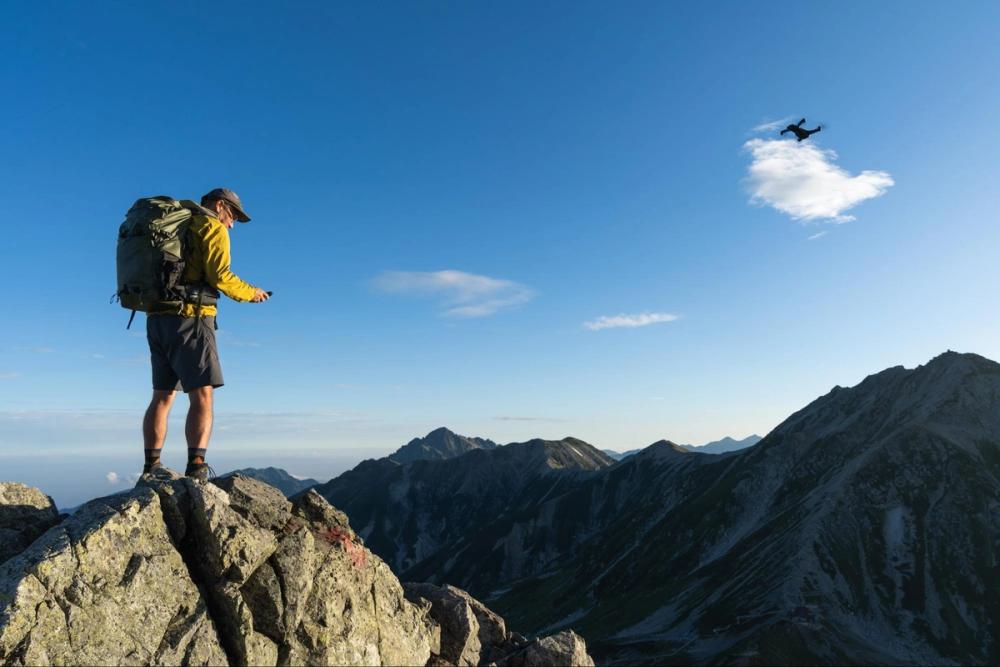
208, 261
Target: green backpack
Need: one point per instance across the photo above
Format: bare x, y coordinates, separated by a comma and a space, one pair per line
150, 255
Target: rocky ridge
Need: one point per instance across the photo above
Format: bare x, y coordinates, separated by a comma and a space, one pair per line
231, 572
863, 529
413, 511
439, 444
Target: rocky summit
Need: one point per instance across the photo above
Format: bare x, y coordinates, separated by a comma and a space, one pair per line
439, 444
228, 573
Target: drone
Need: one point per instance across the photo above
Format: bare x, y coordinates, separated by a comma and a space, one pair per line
800, 132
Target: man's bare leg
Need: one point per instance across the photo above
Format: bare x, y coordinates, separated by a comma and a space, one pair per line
154, 425
198, 428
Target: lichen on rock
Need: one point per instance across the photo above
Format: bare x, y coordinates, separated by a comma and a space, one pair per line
180, 573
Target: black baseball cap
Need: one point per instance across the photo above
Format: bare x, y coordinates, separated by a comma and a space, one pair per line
230, 197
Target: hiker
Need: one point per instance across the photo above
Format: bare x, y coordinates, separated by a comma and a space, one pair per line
799, 131
182, 344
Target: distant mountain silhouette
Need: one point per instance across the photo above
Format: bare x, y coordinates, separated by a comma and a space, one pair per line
439, 444
727, 444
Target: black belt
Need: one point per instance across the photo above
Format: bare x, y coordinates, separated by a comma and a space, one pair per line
201, 295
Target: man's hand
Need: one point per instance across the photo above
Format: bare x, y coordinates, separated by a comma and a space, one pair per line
260, 295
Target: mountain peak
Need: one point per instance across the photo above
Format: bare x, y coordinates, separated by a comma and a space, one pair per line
661, 450
947, 394
572, 452
439, 444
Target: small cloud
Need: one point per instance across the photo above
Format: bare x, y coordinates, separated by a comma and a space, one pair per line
818, 235
803, 180
97, 356
112, 478
9, 376
772, 125
462, 295
628, 321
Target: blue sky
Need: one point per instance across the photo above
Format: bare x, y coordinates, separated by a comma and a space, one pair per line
445, 195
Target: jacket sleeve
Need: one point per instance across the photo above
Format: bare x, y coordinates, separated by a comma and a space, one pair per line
217, 271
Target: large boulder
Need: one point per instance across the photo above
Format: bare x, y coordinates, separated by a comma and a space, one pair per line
105, 587
563, 648
25, 513
342, 604
176, 572
472, 634
230, 573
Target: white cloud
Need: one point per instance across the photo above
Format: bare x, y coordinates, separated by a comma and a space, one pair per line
818, 235
462, 294
631, 321
772, 125
9, 376
803, 181
112, 478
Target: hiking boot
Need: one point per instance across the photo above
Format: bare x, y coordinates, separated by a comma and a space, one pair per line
152, 468
199, 472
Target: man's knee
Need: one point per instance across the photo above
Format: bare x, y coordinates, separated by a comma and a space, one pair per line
201, 396
163, 398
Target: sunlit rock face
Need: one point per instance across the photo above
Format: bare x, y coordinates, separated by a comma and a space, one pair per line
231, 572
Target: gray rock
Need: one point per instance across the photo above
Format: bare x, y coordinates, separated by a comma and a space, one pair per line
472, 634
180, 573
261, 503
25, 513
460, 628
105, 587
564, 648
342, 604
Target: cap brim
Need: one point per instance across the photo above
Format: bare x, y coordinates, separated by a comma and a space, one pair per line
240, 215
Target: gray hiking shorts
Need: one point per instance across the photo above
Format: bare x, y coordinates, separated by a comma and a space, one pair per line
182, 352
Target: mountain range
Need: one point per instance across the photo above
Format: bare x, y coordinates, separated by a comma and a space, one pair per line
727, 444
863, 529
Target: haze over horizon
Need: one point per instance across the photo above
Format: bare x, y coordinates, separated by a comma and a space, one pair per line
516, 221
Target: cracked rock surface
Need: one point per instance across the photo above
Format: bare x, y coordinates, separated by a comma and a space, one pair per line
472, 634
228, 573
106, 586
25, 513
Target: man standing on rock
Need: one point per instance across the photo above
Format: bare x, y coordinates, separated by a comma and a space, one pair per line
182, 345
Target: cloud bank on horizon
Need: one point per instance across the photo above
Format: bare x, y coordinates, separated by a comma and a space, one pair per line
803, 181
462, 295
628, 321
